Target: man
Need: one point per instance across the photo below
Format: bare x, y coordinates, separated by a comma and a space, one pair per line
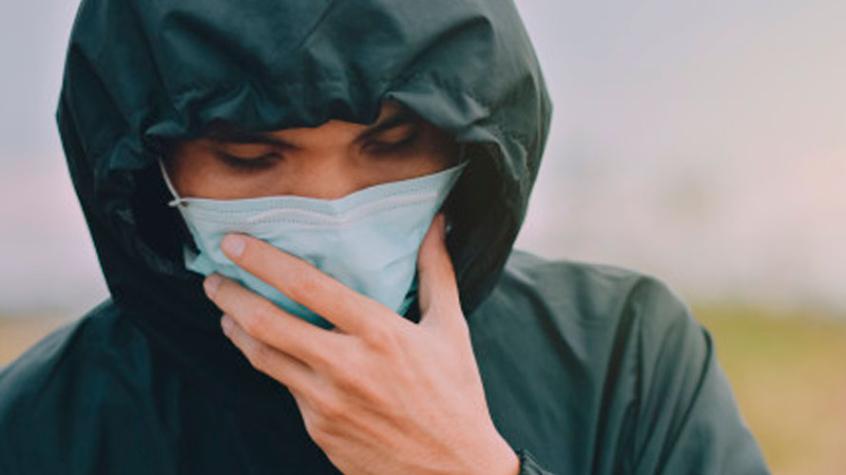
269, 120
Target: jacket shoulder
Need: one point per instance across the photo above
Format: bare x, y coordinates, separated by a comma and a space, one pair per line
27, 374
646, 369
590, 292
62, 378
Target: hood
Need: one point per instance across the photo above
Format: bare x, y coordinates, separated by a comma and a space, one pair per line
138, 74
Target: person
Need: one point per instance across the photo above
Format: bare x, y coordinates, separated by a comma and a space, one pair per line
305, 213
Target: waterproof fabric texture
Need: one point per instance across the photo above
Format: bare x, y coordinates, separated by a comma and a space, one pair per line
587, 369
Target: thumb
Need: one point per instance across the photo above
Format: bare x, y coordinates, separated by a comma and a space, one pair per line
438, 290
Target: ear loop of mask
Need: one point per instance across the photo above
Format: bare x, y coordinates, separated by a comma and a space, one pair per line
188, 239
177, 200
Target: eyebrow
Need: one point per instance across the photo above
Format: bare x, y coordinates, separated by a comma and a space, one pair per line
402, 117
228, 132
221, 131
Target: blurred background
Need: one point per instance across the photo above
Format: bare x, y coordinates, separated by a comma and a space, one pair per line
701, 142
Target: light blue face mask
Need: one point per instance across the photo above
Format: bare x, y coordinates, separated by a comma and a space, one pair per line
367, 240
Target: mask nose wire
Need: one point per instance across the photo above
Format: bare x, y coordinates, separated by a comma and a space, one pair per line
177, 200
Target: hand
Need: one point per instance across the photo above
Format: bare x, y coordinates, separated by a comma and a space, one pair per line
378, 393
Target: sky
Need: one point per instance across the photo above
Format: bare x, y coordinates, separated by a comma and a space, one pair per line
700, 142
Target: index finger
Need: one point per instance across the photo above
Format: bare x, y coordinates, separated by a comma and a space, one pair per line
305, 284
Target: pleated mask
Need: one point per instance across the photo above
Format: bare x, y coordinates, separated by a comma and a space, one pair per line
368, 240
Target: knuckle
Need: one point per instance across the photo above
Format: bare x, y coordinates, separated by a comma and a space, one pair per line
258, 319
319, 437
375, 340
306, 285
346, 377
258, 356
329, 408
321, 431
323, 362
383, 340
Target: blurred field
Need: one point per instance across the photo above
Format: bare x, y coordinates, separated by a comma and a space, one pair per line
18, 333
788, 373
789, 376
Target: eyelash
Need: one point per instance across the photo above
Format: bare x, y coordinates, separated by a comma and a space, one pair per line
253, 163
267, 160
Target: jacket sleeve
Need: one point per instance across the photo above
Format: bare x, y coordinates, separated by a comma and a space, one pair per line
528, 464
687, 417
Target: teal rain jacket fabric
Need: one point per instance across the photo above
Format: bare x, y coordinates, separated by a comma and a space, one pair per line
587, 369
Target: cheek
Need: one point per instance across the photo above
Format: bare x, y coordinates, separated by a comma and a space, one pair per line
218, 181
440, 148
419, 162
435, 161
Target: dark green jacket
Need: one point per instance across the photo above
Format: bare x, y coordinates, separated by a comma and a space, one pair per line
587, 369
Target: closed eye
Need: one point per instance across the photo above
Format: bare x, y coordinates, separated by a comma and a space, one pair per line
259, 162
396, 145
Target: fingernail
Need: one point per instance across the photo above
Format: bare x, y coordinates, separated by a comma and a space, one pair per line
225, 323
233, 245
211, 284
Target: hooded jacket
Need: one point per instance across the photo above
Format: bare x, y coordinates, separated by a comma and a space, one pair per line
586, 368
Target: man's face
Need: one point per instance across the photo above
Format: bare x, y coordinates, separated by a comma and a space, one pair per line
328, 162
